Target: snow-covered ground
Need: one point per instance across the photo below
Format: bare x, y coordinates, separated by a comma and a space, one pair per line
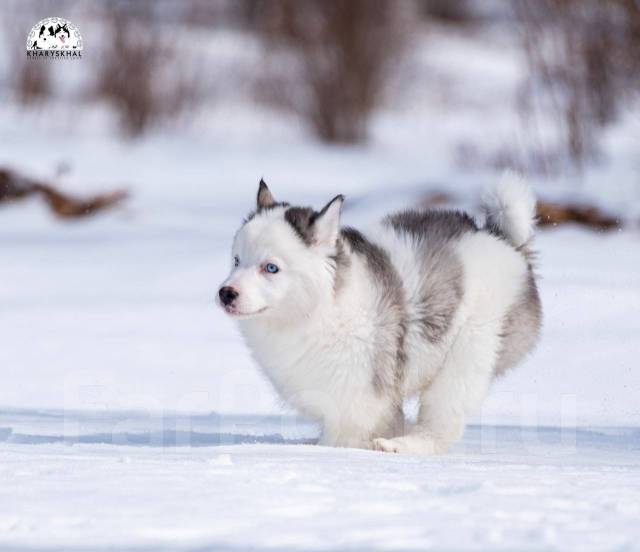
132, 416
501, 489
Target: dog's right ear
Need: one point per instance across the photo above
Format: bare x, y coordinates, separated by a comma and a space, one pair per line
327, 223
265, 199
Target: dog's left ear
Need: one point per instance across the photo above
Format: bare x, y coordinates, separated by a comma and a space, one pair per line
265, 199
327, 223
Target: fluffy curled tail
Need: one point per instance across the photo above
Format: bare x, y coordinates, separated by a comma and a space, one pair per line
511, 209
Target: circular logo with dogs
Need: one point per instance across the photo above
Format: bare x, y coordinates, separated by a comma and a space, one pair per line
54, 34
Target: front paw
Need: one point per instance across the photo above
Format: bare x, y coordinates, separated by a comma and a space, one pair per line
386, 445
422, 445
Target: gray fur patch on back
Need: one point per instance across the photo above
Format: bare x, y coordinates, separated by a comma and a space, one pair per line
438, 226
440, 292
521, 327
390, 319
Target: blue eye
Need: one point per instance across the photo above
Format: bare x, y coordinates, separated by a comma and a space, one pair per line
271, 268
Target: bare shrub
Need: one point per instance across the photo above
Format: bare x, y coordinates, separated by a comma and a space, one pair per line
130, 76
340, 53
448, 11
584, 63
541, 159
221, 13
29, 78
32, 81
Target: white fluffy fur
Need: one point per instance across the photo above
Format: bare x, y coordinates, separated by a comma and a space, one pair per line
512, 206
317, 352
319, 349
494, 275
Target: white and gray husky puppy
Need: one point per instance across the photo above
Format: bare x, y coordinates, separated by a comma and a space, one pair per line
347, 324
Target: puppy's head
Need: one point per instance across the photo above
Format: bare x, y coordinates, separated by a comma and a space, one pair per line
283, 260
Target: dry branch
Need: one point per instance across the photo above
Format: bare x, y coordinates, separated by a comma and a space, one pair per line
554, 214
14, 187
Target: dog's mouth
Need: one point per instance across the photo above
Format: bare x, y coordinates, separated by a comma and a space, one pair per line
233, 311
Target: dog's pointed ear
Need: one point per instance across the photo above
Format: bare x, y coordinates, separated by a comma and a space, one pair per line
327, 223
265, 199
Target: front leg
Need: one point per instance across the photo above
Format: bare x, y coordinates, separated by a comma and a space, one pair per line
345, 438
390, 423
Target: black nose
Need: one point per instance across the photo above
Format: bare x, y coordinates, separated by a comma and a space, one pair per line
227, 295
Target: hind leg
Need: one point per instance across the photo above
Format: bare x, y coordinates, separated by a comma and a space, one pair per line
459, 387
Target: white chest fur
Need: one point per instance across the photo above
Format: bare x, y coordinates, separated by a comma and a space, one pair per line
323, 365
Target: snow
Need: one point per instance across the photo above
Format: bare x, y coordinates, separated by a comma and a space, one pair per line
132, 417
502, 489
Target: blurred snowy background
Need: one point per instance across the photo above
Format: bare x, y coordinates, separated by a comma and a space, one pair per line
109, 335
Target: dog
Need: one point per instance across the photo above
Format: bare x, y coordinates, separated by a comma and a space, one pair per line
347, 324
52, 39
